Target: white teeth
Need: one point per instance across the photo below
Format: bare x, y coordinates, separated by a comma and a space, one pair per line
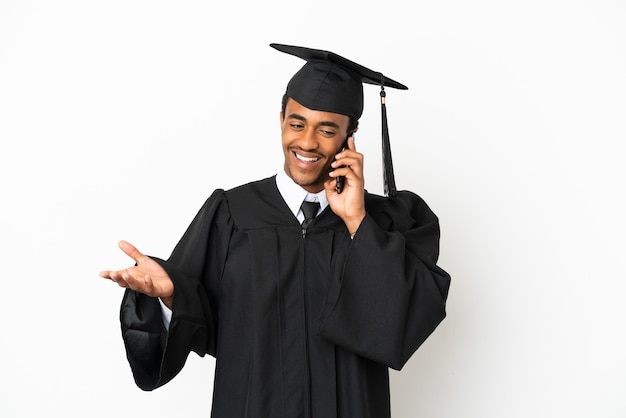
306, 159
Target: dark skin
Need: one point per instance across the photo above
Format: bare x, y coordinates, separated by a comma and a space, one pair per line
312, 143
146, 277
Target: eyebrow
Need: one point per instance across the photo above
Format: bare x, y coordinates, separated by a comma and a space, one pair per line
303, 119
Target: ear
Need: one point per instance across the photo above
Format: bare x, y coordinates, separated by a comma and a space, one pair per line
351, 135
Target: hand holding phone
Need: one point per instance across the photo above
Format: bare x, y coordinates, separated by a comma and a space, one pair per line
340, 180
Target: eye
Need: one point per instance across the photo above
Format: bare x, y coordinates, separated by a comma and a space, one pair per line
296, 126
327, 132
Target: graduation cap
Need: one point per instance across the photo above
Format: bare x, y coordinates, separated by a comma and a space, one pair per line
331, 83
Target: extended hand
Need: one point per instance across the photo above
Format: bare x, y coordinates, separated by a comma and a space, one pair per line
147, 276
349, 205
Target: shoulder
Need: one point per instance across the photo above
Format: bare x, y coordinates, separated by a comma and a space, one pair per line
252, 189
222, 200
403, 211
258, 204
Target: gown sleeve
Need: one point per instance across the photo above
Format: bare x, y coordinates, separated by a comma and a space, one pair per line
391, 294
155, 354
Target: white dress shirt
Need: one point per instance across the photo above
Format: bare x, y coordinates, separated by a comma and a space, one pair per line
294, 195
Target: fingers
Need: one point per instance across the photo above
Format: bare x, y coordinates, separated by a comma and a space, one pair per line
132, 251
351, 149
131, 278
345, 170
351, 144
349, 159
121, 277
146, 276
148, 285
348, 164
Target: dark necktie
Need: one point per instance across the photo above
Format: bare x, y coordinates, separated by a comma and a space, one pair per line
310, 210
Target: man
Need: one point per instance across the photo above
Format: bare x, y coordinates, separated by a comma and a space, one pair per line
303, 313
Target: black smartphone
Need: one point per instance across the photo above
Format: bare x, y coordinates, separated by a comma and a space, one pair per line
340, 180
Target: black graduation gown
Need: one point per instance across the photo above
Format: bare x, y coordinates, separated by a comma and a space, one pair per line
300, 325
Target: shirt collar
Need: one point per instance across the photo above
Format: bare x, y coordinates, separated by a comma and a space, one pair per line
294, 194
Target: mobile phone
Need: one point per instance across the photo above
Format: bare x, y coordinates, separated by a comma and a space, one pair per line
340, 180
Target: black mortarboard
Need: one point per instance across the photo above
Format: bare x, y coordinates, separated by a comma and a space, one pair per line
330, 83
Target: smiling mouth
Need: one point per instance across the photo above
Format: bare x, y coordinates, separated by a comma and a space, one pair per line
306, 159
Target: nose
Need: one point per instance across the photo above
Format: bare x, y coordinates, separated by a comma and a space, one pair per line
308, 140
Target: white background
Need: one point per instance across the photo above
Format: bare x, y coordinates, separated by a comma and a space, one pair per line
118, 118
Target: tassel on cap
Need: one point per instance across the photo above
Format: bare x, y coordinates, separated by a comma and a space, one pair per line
388, 176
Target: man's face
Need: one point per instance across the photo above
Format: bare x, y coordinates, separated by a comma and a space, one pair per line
310, 141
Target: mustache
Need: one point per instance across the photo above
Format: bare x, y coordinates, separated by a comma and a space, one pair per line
295, 148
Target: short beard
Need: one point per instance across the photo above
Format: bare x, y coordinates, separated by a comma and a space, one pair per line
300, 181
